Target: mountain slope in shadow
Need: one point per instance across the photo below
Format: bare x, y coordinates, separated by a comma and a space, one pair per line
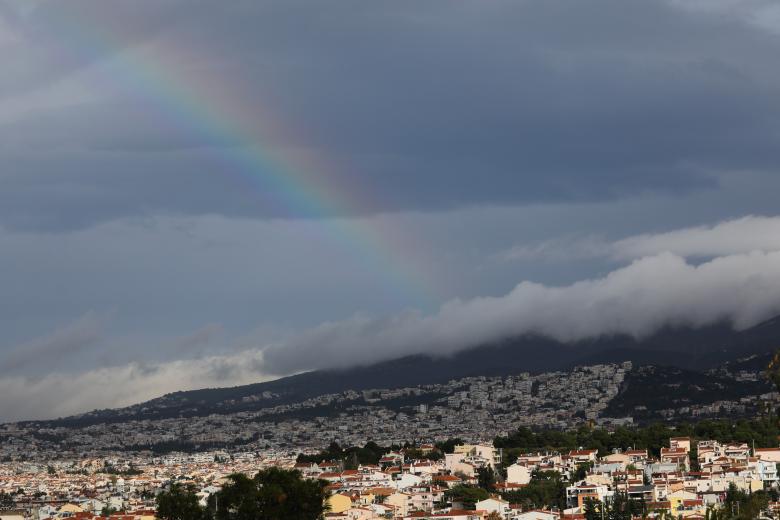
680, 347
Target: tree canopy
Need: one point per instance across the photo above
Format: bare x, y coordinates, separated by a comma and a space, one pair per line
547, 488
179, 503
763, 430
272, 494
466, 495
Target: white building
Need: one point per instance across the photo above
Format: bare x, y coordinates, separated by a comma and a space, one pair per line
518, 474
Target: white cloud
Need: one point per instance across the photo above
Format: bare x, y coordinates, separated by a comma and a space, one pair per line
558, 249
746, 234
637, 299
742, 235
740, 283
59, 394
764, 14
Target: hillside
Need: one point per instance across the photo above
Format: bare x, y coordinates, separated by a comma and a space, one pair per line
675, 388
683, 348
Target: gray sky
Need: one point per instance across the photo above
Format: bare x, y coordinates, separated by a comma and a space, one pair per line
194, 196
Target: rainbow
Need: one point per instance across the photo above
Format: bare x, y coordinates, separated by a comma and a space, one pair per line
296, 183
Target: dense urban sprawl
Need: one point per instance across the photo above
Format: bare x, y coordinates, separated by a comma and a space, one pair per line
82, 472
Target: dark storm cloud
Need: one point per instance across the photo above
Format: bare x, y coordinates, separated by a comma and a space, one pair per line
49, 351
740, 283
425, 107
656, 290
600, 153
50, 40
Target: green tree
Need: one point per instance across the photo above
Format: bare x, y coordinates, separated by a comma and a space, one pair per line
624, 508
486, 478
466, 495
6, 501
763, 431
179, 503
448, 446
581, 472
546, 489
744, 506
272, 494
351, 457
715, 514
591, 510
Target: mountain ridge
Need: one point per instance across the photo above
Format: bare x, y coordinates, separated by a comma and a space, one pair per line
681, 347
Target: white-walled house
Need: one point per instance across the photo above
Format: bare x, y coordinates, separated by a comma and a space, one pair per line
495, 505
406, 480
518, 474
456, 463
768, 454
536, 515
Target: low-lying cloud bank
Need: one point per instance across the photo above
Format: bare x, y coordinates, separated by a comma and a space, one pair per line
638, 299
741, 235
59, 394
738, 281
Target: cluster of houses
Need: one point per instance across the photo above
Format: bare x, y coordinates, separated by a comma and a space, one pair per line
75, 512
459, 408
87, 487
665, 484
682, 480
402, 489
